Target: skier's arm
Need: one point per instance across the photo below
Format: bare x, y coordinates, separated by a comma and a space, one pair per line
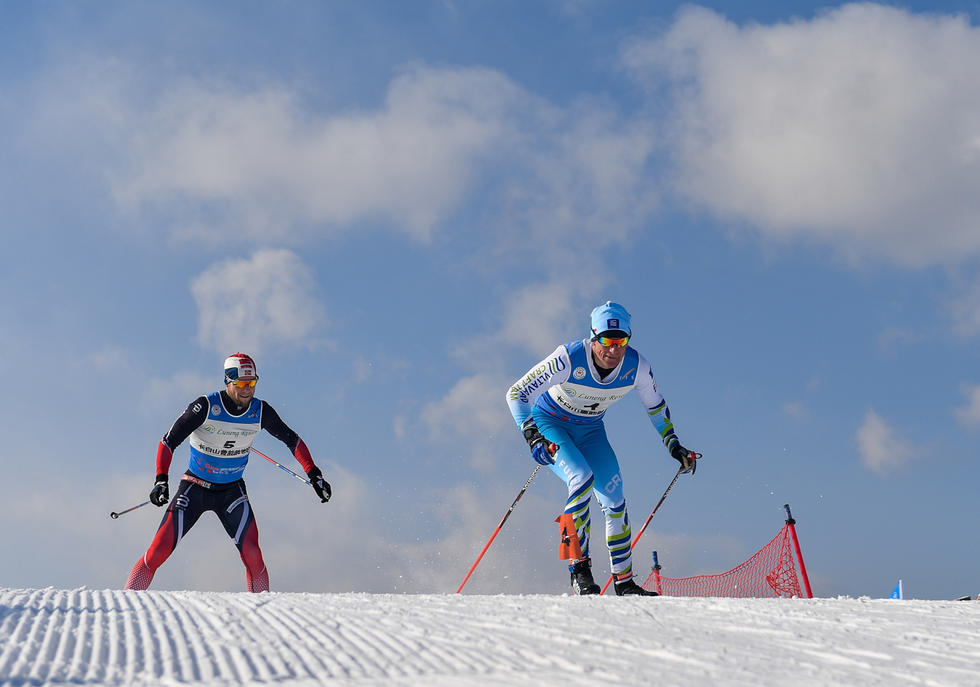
273, 424
552, 370
522, 394
192, 418
656, 405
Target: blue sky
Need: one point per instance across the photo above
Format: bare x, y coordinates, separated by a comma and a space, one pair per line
398, 208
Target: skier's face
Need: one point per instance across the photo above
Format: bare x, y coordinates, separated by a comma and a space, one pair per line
242, 395
608, 356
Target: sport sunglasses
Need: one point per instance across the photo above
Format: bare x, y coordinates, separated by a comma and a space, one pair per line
242, 383
609, 341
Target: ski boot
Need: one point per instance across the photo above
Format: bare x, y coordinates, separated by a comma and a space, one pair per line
582, 582
628, 587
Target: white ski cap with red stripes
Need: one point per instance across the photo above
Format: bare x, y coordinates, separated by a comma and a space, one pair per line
239, 365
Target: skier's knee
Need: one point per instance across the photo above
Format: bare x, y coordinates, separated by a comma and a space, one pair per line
580, 484
613, 489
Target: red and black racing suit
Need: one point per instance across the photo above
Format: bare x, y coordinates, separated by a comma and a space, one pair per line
228, 500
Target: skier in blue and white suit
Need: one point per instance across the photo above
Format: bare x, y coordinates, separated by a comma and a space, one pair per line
561, 401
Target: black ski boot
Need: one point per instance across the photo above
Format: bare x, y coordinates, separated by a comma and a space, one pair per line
628, 587
582, 582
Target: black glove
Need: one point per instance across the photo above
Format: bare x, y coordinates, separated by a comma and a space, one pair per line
160, 493
541, 449
320, 485
687, 459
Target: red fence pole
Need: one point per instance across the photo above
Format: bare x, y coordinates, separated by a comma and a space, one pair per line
656, 574
791, 523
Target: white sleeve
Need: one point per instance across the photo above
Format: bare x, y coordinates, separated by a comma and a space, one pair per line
656, 405
646, 385
552, 370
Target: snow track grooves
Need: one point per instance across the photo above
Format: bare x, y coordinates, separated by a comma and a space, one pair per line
83, 637
132, 638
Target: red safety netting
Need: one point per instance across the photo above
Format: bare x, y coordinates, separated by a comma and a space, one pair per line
771, 572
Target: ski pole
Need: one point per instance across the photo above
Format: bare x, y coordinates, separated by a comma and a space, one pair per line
506, 515
304, 481
115, 515
639, 534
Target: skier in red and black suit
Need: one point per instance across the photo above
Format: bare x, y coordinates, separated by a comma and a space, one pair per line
221, 427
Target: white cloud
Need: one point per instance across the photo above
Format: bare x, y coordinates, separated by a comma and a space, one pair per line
211, 161
881, 446
965, 312
251, 303
795, 409
891, 338
79, 113
540, 316
170, 393
584, 175
158, 392
469, 416
969, 415
859, 128
273, 163
536, 318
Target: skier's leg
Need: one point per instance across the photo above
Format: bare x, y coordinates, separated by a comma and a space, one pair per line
609, 494
572, 468
252, 557
184, 510
239, 522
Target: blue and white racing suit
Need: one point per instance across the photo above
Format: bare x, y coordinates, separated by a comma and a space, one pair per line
568, 399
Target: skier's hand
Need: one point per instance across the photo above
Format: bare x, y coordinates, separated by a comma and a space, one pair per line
320, 485
160, 493
687, 458
541, 449
544, 453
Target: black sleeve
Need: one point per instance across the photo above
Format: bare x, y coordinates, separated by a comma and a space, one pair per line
190, 419
273, 424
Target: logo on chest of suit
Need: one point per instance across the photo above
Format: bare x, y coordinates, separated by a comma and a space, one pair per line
578, 372
626, 375
216, 411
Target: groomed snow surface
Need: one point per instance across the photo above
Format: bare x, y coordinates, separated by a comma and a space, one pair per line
86, 637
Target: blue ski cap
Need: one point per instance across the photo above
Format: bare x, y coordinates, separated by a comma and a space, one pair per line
239, 365
610, 316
